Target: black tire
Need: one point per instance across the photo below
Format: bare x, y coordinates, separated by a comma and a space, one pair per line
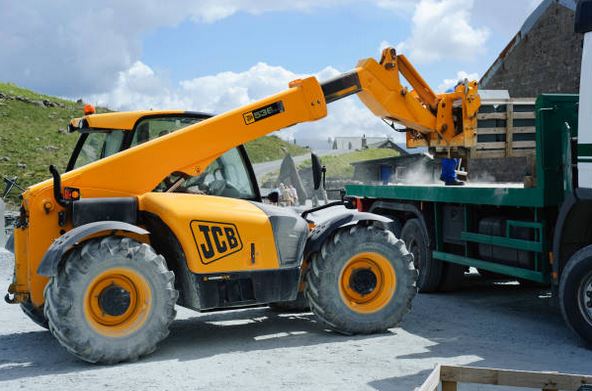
486, 274
575, 293
298, 305
418, 244
452, 277
35, 314
70, 294
396, 226
324, 279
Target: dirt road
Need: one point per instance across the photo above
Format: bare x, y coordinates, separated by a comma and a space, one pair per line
483, 325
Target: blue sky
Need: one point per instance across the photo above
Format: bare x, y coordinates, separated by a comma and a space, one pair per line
303, 42
214, 55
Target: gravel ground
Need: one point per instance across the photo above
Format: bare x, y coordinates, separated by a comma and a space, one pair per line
484, 325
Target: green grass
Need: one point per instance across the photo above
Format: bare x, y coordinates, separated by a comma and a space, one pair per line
271, 148
339, 166
33, 136
30, 136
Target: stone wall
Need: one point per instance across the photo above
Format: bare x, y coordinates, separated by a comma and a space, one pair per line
496, 170
547, 59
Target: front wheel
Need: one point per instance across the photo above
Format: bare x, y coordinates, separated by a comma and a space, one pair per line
112, 300
575, 293
362, 281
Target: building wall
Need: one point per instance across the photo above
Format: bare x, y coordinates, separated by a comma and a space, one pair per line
547, 59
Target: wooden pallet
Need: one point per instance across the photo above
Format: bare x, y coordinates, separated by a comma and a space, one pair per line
505, 128
450, 375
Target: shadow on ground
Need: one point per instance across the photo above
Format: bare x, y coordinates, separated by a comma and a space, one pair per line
39, 354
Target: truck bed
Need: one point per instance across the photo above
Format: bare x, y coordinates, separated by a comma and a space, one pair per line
498, 194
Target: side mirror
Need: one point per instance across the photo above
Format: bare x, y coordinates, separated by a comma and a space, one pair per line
317, 170
273, 197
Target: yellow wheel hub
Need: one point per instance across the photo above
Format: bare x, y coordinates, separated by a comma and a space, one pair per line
117, 302
367, 282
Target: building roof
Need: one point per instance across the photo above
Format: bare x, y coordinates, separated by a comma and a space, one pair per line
528, 24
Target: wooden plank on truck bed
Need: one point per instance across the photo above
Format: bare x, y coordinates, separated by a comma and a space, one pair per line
509, 126
497, 118
451, 375
515, 130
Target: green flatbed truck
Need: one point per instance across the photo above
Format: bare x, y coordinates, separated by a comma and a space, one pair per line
539, 232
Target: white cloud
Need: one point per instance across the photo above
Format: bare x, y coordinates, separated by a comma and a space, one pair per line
139, 87
460, 76
442, 30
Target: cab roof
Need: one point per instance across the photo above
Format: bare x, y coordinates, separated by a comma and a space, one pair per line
124, 120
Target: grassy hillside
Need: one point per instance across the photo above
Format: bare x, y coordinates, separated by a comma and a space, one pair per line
33, 135
271, 148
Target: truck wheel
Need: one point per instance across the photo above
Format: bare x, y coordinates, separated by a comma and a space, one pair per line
298, 305
112, 300
35, 314
575, 293
417, 241
361, 282
453, 276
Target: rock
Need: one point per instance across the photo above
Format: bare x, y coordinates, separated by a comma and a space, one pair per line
52, 148
21, 165
4, 159
62, 130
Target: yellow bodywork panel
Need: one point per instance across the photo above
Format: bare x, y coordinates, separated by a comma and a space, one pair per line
119, 120
217, 234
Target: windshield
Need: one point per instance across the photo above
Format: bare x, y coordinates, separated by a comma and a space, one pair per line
98, 145
227, 176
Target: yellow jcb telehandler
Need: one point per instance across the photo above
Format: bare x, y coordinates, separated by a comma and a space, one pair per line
158, 208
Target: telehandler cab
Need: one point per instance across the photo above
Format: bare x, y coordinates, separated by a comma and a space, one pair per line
159, 208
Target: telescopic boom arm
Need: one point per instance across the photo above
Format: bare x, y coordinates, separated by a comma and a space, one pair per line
431, 120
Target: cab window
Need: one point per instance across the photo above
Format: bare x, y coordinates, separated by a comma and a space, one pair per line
154, 127
98, 145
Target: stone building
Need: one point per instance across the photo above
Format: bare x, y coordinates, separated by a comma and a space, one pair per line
544, 56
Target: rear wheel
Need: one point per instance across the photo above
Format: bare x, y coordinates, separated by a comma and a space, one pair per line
112, 300
418, 244
362, 281
35, 314
575, 293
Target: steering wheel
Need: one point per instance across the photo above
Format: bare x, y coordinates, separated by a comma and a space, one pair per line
216, 187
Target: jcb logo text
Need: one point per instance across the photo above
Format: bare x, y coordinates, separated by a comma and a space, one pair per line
215, 240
